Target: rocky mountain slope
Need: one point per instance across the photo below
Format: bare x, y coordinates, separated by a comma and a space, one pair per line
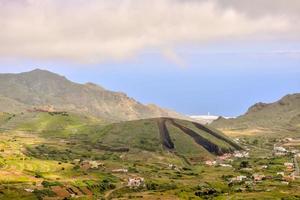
46, 90
283, 115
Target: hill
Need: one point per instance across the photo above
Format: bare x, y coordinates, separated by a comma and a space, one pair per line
282, 116
44, 90
184, 138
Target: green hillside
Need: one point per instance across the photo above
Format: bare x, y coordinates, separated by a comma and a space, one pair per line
280, 117
184, 138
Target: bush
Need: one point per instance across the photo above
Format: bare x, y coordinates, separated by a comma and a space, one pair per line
244, 164
40, 194
38, 174
49, 184
205, 191
160, 186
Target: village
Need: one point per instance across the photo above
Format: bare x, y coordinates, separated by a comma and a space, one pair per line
250, 173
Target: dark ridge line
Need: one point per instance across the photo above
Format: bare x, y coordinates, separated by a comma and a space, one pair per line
209, 146
164, 134
203, 128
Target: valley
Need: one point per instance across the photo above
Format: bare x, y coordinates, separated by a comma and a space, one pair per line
46, 155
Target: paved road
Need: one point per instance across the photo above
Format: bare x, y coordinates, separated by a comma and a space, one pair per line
296, 166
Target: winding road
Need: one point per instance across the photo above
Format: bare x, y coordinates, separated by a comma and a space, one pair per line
296, 166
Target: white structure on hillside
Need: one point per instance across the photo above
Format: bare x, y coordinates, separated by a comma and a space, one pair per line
136, 182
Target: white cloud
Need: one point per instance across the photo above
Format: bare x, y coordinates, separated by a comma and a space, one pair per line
96, 30
173, 57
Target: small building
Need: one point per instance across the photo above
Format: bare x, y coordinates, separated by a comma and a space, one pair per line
264, 167
247, 169
238, 178
29, 190
173, 167
136, 182
285, 182
225, 156
289, 166
210, 162
122, 170
241, 154
294, 151
90, 164
280, 153
280, 149
76, 161
225, 165
280, 173
258, 177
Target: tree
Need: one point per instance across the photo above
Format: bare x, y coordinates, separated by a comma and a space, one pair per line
244, 164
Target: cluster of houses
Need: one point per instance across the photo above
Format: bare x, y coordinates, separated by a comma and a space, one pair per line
291, 168
248, 180
280, 150
241, 154
256, 178
227, 158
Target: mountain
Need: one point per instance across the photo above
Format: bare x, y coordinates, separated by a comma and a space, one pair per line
282, 116
44, 90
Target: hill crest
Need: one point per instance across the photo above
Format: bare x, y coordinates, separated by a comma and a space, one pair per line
40, 88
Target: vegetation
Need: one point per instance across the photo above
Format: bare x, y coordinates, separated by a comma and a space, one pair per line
65, 155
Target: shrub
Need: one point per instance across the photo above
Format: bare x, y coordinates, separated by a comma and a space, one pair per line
49, 184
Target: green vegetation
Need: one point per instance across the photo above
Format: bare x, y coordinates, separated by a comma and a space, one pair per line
273, 119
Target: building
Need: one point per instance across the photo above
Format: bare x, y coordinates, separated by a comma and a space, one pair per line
120, 170
239, 178
210, 163
280, 173
241, 154
289, 166
136, 182
280, 149
264, 167
90, 164
258, 177
225, 165
226, 156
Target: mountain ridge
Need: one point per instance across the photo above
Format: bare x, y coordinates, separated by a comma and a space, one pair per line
282, 115
40, 88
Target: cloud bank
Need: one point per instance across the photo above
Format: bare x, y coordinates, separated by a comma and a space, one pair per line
98, 30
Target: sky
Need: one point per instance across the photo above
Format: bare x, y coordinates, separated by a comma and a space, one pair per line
192, 56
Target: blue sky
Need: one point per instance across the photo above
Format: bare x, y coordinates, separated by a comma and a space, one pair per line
217, 56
